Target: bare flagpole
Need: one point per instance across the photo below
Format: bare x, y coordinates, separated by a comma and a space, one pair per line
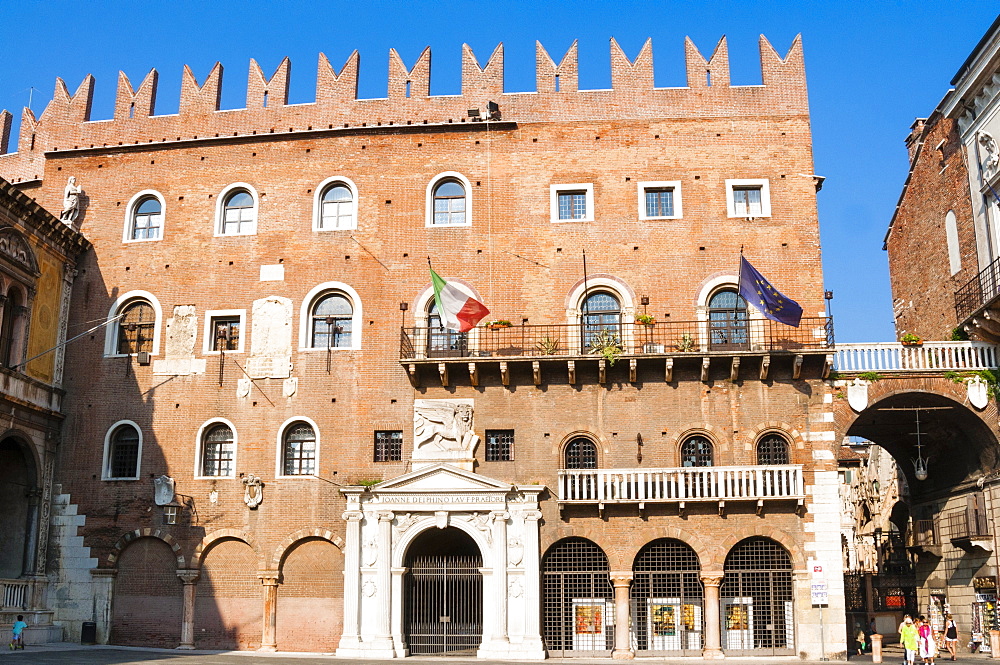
583, 321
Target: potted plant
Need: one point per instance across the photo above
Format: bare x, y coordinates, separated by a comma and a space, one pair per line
645, 319
499, 323
606, 343
548, 345
909, 339
686, 343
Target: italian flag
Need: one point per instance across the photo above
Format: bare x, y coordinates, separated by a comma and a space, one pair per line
458, 311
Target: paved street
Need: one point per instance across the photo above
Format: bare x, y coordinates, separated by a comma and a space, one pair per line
74, 654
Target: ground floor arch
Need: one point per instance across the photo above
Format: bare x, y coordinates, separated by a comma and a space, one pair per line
19, 495
667, 600
147, 596
757, 609
443, 594
577, 596
310, 598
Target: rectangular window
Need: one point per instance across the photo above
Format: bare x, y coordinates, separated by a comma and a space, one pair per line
571, 202
388, 446
170, 514
499, 445
660, 202
124, 458
225, 333
746, 201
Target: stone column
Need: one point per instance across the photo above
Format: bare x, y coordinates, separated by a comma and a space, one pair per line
383, 584
190, 579
351, 638
269, 637
500, 633
713, 634
622, 581
532, 646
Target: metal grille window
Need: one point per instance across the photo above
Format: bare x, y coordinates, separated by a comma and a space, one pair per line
667, 599
449, 203
499, 445
772, 449
123, 458
136, 327
581, 453
218, 450
147, 220
727, 318
332, 320
696, 451
577, 599
757, 615
660, 202
300, 450
337, 208
239, 214
572, 205
225, 333
746, 201
388, 446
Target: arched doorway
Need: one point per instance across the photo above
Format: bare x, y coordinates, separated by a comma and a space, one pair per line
18, 486
147, 579
667, 600
443, 594
577, 599
757, 614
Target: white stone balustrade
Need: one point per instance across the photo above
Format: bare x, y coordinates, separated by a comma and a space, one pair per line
929, 357
15, 594
709, 483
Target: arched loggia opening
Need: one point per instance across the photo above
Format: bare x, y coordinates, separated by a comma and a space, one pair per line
443, 594
19, 496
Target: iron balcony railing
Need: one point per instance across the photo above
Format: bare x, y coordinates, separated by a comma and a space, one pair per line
663, 337
967, 524
978, 291
896, 357
923, 534
708, 483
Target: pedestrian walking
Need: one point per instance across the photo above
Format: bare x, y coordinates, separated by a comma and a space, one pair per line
908, 638
926, 642
951, 636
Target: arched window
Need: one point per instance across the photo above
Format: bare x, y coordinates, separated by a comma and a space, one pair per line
772, 449
239, 214
336, 208
122, 456
602, 319
218, 450
449, 203
727, 320
136, 328
696, 451
332, 322
444, 342
757, 605
147, 219
581, 453
299, 450
12, 328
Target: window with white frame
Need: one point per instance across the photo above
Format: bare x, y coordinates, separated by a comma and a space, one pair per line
224, 330
135, 319
572, 202
336, 205
660, 200
144, 217
218, 451
331, 322
449, 200
299, 450
748, 198
237, 212
122, 448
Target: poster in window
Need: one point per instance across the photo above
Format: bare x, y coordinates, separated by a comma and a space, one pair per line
663, 620
737, 617
688, 617
589, 619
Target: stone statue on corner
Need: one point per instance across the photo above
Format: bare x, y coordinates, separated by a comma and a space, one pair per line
71, 202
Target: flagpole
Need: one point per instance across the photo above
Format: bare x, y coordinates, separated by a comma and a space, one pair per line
739, 288
585, 288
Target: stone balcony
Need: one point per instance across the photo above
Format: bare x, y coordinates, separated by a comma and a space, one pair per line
571, 352
682, 485
931, 357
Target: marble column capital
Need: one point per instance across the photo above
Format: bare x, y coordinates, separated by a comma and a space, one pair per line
189, 576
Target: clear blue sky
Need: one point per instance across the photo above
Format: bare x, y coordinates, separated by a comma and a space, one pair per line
872, 66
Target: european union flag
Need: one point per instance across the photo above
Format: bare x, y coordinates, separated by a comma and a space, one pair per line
758, 292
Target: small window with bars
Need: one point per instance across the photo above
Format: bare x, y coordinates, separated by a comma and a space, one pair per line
388, 445
225, 333
499, 445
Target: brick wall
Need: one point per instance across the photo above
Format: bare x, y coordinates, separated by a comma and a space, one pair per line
227, 609
311, 598
147, 596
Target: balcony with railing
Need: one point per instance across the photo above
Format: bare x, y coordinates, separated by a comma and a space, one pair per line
969, 527
681, 485
926, 357
978, 292
923, 537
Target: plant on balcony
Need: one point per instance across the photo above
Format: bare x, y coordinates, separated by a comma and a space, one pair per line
686, 343
990, 376
606, 343
959, 335
871, 377
548, 346
645, 319
499, 323
909, 339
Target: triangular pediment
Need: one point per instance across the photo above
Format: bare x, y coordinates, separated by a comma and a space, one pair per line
441, 478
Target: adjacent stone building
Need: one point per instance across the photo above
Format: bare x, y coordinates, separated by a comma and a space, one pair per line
277, 446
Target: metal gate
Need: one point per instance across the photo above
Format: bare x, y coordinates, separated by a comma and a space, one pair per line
667, 600
445, 605
757, 615
578, 606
